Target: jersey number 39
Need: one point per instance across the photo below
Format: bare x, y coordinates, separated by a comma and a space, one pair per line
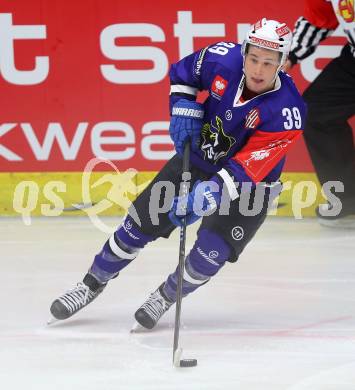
293, 118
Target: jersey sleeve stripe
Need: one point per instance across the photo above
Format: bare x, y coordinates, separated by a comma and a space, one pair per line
183, 96
178, 88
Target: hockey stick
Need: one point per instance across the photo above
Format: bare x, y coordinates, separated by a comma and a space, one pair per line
177, 352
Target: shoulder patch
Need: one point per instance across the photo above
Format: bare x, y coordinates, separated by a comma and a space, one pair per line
219, 86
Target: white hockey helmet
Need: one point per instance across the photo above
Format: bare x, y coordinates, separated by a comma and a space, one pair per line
269, 34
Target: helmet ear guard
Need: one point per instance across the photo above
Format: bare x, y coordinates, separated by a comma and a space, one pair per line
271, 35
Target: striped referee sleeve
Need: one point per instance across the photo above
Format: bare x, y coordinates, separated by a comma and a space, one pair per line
306, 37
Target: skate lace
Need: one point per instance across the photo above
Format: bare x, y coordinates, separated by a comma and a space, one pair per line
77, 297
155, 306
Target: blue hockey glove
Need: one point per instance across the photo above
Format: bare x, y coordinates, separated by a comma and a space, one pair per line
203, 200
186, 121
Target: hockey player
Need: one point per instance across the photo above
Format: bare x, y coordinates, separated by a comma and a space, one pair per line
240, 134
331, 102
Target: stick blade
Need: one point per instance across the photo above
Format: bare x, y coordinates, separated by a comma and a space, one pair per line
177, 357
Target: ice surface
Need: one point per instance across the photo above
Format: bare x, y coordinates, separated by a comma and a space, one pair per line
282, 317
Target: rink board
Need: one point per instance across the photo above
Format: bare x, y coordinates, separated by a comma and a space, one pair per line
102, 193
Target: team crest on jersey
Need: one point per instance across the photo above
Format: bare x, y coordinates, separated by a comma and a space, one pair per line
216, 144
252, 120
346, 10
219, 86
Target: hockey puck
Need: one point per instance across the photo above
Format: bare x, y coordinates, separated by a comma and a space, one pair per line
188, 362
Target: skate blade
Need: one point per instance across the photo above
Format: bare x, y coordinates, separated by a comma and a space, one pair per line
137, 328
52, 321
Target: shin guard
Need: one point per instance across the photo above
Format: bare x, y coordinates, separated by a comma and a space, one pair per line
206, 258
119, 250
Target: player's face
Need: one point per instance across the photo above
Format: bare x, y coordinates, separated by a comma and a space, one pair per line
260, 68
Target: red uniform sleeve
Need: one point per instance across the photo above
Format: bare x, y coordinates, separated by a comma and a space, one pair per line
264, 150
321, 14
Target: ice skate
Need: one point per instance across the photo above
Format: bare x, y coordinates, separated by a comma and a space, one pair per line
153, 308
77, 298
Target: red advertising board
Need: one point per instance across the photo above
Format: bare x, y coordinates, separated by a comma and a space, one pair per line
88, 78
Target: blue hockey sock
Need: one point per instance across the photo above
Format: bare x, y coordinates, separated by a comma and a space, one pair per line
207, 257
119, 250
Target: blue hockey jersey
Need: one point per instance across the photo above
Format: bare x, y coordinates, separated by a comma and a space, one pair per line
248, 139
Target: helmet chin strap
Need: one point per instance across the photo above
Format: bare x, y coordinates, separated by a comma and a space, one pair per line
282, 63
277, 72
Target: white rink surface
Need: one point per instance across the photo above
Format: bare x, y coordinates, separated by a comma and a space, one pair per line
282, 318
